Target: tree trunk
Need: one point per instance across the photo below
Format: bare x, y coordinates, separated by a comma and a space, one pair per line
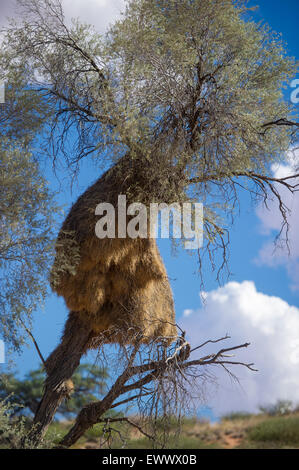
60, 367
87, 417
91, 413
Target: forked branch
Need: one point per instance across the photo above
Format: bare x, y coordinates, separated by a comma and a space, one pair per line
155, 380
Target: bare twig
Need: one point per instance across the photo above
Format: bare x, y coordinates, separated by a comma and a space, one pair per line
162, 381
126, 420
34, 342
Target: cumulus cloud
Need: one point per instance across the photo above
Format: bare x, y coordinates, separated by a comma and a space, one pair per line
270, 324
271, 222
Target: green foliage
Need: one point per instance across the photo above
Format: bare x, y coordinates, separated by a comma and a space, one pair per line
25, 394
200, 75
25, 112
57, 431
236, 416
27, 215
90, 384
185, 88
280, 430
191, 80
183, 442
13, 432
280, 408
27, 208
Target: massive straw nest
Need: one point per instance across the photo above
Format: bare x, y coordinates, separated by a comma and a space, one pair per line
113, 285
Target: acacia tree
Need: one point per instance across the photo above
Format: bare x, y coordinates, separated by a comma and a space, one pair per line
190, 91
27, 208
194, 88
25, 394
26, 224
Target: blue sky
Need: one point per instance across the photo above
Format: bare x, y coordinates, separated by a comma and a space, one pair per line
248, 236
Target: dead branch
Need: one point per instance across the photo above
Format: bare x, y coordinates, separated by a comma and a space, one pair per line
107, 421
159, 380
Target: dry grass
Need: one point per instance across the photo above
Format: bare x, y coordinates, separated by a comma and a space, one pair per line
254, 432
112, 284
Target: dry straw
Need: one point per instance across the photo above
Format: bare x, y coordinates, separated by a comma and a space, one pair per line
113, 285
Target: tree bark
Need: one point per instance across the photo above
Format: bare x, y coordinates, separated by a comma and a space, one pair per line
90, 414
60, 367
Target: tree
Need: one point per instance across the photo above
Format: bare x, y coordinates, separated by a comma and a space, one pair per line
27, 207
25, 394
26, 222
190, 93
193, 89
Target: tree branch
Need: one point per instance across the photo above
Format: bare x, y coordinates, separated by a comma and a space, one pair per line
126, 420
34, 342
170, 370
249, 174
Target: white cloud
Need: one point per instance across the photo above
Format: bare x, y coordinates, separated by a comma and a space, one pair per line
187, 312
270, 324
99, 13
271, 221
6, 9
